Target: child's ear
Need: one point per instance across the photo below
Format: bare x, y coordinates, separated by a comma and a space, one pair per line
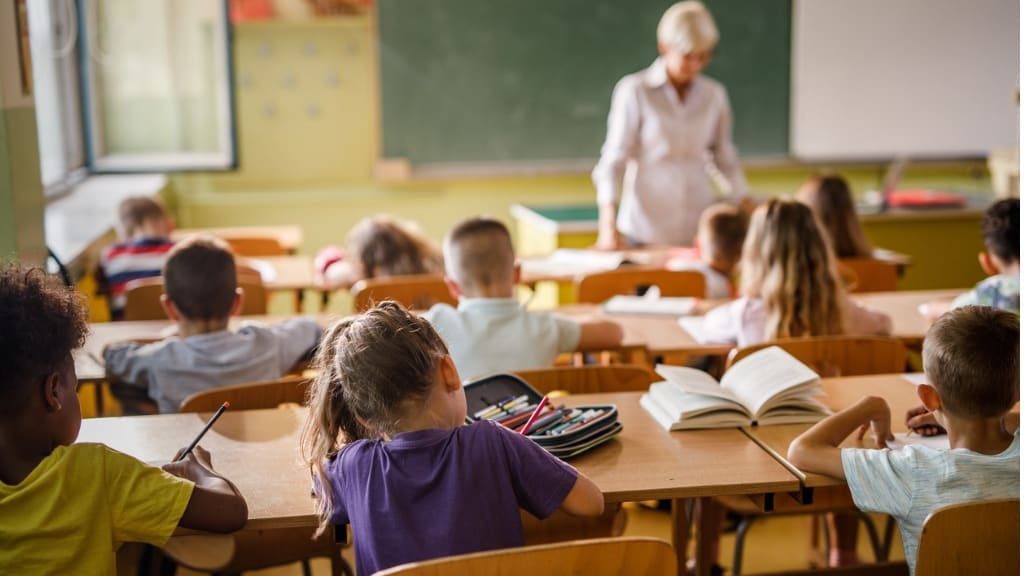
517, 273
236, 306
169, 308
450, 374
929, 397
453, 287
987, 263
52, 395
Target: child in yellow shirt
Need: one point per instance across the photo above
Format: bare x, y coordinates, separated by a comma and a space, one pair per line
65, 508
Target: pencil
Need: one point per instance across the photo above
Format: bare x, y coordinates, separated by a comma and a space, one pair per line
202, 432
543, 403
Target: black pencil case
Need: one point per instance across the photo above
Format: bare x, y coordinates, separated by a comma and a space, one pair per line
488, 390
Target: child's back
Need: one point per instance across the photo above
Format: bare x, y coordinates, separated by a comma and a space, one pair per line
719, 241
971, 358
65, 508
1001, 231
385, 434
490, 331
200, 288
145, 228
790, 286
458, 490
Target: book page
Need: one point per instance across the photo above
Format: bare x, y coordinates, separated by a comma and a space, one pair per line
680, 404
759, 378
693, 381
669, 306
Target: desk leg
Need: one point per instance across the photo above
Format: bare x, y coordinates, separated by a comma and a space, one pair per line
680, 532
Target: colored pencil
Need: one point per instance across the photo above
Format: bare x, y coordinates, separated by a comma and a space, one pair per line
543, 403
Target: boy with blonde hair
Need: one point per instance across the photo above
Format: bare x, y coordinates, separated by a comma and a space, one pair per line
719, 242
66, 507
145, 231
972, 360
200, 296
490, 331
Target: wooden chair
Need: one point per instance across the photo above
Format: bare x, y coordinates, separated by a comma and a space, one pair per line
978, 538
600, 286
416, 292
832, 356
256, 246
598, 557
829, 356
269, 394
869, 275
249, 549
582, 380
142, 298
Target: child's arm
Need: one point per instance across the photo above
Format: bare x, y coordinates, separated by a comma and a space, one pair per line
817, 450
215, 505
585, 498
599, 335
920, 420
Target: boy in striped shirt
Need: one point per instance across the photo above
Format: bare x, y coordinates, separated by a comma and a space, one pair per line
146, 229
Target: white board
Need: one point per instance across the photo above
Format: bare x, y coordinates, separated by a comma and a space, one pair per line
873, 79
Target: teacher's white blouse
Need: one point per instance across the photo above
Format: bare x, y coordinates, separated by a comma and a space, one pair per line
657, 153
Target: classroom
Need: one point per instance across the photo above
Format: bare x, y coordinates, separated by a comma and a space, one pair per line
718, 266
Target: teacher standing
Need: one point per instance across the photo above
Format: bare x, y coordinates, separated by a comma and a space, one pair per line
668, 125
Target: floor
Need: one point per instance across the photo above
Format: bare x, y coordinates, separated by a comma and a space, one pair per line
774, 544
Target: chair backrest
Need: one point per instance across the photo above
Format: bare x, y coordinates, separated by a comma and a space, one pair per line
269, 394
600, 286
590, 379
975, 538
416, 292
869, 275
142, 297
838, 355
598, 557
256, 246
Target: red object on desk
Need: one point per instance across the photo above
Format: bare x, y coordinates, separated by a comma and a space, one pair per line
921, 198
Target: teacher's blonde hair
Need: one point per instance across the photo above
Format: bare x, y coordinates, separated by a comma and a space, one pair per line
687, 27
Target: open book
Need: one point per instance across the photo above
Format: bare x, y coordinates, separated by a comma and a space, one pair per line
767, 387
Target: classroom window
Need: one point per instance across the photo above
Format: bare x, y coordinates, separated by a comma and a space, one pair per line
129, 86
157, 85
53, 32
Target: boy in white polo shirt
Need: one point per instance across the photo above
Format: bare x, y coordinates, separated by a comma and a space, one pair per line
490, 331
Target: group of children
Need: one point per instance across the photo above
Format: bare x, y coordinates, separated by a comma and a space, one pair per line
385, 439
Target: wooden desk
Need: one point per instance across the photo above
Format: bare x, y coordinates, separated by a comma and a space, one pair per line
661, 335
908, 324
644, 462
258, 450
840, 393
287, 272
288, 236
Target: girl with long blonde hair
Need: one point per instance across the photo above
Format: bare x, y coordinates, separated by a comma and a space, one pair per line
789, 284
389, 454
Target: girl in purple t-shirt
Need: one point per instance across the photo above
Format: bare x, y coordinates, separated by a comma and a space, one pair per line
385, 437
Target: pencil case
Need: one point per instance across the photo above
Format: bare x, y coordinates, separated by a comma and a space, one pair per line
563, 431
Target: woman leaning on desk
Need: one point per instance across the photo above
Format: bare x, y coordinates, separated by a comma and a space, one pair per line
665, 124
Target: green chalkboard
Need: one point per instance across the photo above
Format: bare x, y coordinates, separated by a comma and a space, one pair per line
521, 81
